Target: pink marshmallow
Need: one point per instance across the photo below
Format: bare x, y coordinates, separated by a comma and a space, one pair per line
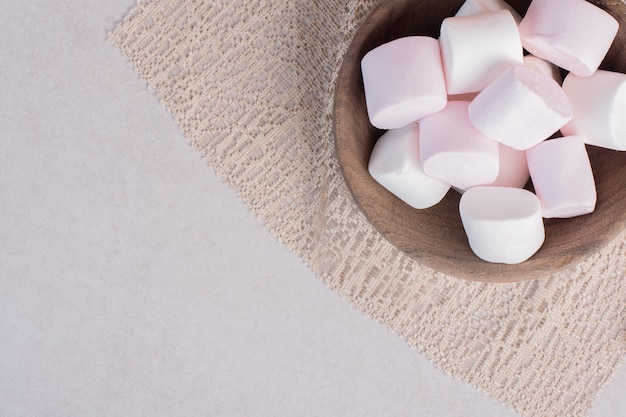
472, 7
513, 172
476, 49
573, 34
520, 108
403, 81
395, 164
599, 104
561, 174
544, 67
513, 168
503, 225
453, 151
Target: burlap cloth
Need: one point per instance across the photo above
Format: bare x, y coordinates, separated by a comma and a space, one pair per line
250, 83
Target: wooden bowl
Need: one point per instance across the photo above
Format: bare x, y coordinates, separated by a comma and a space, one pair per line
435, 236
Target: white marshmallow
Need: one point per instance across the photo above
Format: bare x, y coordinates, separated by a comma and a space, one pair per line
513, 168
454, 152
395, 164
472, 7
562, 177
503, 225
544, 67
573, 34
520, 108
476, 49
599, 104
403, 81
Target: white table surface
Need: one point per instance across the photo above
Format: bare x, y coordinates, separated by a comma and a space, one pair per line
134, 283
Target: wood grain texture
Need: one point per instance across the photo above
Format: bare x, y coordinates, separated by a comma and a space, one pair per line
435, 236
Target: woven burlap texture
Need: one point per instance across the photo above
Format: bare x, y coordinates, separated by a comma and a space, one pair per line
251, 84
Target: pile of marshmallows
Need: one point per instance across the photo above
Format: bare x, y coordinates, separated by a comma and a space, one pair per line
471, 112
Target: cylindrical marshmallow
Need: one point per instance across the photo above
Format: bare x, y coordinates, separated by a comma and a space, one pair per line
454, 152
573, 34
476, 49
513, 168
395, 164
472, 7
599, 104
520, 108
561, 174
503, 225
403, 81
544, 67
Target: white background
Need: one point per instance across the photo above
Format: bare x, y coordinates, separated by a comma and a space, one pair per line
134, 283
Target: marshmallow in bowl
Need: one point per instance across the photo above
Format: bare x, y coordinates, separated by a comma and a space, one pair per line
561, 174
472, 7
403, 81
573, 34
500, 110
453, 151
521, 108
544, 67
502, 224
513, 168
599, 104
476, 49
395, 164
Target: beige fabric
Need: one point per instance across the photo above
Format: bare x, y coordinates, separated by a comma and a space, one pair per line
250, 82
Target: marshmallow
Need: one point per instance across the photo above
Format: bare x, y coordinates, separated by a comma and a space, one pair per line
599, 104
573, 34
503, 225
395, 164
472, 7
476, 49
513, 168
520, 108
544, 67
403, 81
454, 152
562, 177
